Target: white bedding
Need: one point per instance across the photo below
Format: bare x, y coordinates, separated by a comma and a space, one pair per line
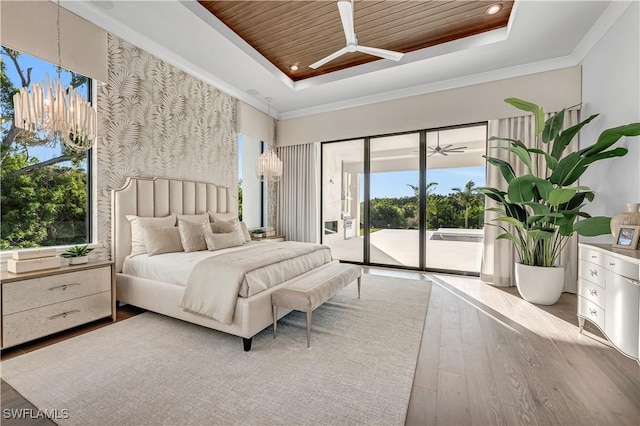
172, 268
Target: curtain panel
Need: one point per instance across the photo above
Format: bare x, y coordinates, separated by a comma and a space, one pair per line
499, 256
298, 193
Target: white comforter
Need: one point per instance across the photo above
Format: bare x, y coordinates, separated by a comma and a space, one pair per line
215, 283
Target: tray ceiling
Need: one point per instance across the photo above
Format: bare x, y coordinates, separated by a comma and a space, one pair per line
301, 32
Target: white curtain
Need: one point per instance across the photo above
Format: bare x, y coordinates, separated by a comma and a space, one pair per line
499, 256
298, 193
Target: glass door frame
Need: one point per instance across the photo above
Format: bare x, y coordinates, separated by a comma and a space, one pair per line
422, 198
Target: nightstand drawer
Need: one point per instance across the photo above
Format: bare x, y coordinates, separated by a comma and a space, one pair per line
591, 311
36, 292
592, 255
592, 292
28, 325
621, 267
592, 272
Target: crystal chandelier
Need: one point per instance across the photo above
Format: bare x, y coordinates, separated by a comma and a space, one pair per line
268, 165
60, 114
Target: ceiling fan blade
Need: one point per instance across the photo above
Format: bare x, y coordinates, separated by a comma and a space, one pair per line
448, 146
432, 154
346, 15
382, 53
329, 58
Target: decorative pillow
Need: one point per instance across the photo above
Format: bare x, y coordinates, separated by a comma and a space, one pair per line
192, 236
245, 232
162, 240
138, 223
224, 217
196, 218
220, 227
221, 240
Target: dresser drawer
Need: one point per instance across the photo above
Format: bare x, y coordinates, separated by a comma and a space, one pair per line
33, 293
592, 292
28, 325
592, 255
621, 267
591, 311
592, 272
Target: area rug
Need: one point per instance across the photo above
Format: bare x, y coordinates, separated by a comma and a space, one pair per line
154, 370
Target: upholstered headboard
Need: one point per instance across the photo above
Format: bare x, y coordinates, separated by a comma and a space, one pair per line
160, 197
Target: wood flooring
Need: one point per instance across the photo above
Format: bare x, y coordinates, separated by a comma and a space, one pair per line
487, 358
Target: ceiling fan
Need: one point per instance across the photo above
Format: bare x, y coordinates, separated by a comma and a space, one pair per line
346, 15
446, 150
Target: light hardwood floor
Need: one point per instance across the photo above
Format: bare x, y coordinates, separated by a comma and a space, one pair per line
489, 358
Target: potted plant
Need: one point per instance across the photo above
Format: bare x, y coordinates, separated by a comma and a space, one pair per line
543, 205
77, 254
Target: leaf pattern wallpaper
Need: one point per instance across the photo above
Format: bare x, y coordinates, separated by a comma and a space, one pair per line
155, 120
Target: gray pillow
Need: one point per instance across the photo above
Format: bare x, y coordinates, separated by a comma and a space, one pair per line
220, 227
162, 240
138, 223
192, 235
197, 218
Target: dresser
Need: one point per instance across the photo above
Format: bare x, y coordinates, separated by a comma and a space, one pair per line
609, 294
36, 304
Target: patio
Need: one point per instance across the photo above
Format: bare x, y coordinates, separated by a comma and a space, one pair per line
451, 249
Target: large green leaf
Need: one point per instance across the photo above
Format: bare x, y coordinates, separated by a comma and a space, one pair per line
522, 154
552, 127
617, 152
538, 208
561, 195
610, 136
538, 234
565, 137
505, 168
544, 188
565, 167
537, 112
594, 226
521, 188
510, 220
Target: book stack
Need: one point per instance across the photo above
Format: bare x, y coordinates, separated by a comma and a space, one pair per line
30, 260
269, 232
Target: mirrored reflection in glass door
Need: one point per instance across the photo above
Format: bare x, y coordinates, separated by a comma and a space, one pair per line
342, 171
393, 207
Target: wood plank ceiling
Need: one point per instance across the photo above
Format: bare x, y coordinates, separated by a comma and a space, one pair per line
302, 32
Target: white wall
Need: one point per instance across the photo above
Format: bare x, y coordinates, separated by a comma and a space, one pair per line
611, 87
480, 102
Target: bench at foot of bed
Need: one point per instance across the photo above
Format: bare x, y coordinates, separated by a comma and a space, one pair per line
311, 291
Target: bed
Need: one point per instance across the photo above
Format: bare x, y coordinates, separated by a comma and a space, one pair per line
141, 280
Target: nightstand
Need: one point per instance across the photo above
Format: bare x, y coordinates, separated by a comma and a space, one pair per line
36, 304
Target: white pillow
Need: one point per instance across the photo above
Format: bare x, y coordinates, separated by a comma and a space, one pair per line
221, 227
162, 240
138, 223
245, 232
195, 218
192, 235
225, 217
221, 240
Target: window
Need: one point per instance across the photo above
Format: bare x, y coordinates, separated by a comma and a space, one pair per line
251, 190
44, 186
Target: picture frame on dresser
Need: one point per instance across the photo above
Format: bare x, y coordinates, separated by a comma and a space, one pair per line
626, 237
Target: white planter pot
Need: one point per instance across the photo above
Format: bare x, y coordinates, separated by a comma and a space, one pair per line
78, 260
538, 284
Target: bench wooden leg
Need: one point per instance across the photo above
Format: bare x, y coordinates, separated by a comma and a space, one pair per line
359, 282
275, 320
309, 314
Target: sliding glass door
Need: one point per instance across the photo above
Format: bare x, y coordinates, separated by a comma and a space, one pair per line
406, 200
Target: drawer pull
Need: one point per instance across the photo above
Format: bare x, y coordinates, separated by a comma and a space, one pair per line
64, 314
594, 257
63, 287
593, 272
593, 292
612, 264
593, 312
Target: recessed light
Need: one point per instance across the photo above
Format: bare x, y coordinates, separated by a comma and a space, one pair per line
294, 67
493, 9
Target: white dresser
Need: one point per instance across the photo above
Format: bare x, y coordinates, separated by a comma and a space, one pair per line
609, 294
36, 304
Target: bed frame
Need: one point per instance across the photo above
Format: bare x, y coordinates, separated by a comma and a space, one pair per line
161, 197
